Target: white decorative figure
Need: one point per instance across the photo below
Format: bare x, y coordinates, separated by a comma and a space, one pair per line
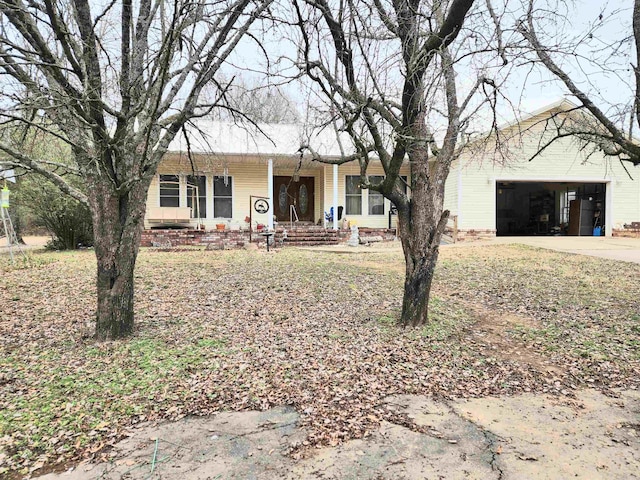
354, 240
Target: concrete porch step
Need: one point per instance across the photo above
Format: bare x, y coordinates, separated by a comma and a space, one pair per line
309, 235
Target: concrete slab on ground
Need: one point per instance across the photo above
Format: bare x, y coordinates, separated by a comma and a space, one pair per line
613, 248
528, 436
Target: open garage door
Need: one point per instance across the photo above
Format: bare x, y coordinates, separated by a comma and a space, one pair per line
550, 208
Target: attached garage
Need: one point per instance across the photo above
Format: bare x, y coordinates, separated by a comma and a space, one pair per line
550, 208
564, 189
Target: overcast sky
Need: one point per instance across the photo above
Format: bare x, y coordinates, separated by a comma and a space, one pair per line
528, 89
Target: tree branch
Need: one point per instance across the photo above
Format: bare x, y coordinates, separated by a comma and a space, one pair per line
630, 148
18, 159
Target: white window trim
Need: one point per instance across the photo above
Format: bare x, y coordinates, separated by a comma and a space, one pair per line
363, 203
180, 188
184, 180
233, 199
385, 208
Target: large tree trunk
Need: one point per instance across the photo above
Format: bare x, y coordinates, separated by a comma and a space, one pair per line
117, 226
420, 226
421, 247
417, 287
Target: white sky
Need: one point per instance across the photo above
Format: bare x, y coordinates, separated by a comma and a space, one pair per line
530, 90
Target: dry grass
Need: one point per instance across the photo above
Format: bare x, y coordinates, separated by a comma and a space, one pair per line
246, 330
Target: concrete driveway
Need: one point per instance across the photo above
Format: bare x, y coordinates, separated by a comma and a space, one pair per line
528, 436
614, 248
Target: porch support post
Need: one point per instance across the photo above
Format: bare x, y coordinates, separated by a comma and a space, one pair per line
270, 193
335, 197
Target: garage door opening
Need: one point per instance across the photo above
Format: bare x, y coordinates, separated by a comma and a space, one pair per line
550, 208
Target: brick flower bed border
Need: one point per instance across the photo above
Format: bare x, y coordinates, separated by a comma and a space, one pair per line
231, 239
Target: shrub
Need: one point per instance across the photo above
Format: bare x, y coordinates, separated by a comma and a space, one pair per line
67, 220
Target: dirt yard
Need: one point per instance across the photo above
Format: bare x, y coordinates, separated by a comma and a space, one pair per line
529, 369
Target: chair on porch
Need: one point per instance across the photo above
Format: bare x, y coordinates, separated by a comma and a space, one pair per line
329, 216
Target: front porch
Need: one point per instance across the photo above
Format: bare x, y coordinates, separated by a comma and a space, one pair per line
209, 192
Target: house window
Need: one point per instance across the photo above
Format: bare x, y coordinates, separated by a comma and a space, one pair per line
376, 199
353, 195
197, 195
222, 197
169, 191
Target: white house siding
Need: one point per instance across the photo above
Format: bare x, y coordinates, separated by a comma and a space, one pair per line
364, 220
249, 177
561, 162
451, 191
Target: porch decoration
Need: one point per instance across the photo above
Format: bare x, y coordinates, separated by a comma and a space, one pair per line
354, 240
225, 174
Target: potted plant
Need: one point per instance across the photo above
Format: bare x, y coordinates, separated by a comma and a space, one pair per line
220, 227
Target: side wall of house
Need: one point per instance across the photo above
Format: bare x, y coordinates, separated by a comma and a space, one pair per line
451, 190
563, 161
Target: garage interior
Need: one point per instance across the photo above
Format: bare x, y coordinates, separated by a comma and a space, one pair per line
550, 208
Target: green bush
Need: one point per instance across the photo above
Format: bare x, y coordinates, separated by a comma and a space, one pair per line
67, 220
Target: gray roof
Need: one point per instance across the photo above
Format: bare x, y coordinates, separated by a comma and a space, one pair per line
207, 136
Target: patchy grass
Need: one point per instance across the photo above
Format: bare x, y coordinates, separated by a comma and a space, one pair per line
249, 330
583, 307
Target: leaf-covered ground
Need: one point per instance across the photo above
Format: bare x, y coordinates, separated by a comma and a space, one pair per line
250, 330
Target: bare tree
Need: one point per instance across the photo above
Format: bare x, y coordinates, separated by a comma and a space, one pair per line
260, 102
575, 59
387, 73
116, 82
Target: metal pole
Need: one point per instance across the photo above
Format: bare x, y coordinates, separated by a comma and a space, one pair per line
270, 193
250, 215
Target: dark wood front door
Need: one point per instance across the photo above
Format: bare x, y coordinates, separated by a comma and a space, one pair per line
287, 192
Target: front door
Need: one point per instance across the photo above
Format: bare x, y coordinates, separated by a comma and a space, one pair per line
287, 192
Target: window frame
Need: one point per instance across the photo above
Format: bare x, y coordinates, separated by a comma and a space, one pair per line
200, 198
214, 196
178, 188
348, 195
373, 193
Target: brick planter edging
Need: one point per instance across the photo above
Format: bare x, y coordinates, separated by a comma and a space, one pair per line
626, 232
231, 239
223, 240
